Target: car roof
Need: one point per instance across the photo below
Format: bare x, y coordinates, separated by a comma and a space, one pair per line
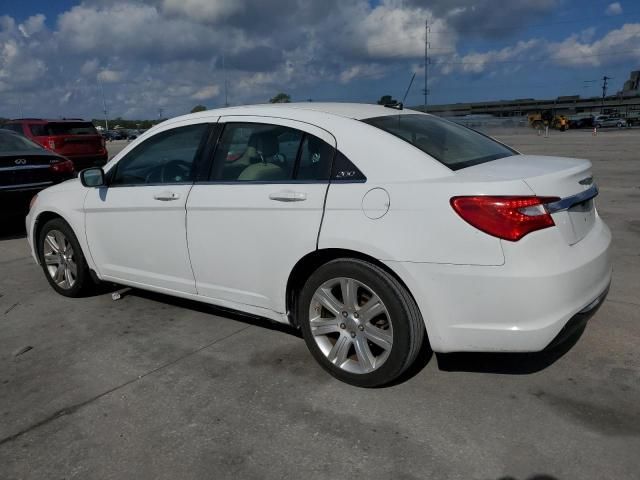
356, 111
52, 120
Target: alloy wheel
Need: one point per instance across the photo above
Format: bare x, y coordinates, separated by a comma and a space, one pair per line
59, 259
351, 325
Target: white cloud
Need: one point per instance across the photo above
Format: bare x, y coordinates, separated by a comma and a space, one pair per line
32, 25
203, 10
492, 59
614, 9
617, 45
90, 66
206, 93
361, 71
110, 76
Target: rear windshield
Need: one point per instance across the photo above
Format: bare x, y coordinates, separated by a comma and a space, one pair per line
63, 128
451, 144
10, 142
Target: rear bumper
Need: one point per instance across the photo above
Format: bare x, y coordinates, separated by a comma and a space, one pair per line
521, 306
578, 321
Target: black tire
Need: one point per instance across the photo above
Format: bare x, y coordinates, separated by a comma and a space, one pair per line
408, 330
83, 283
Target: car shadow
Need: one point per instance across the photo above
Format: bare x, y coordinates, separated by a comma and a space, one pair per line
507, 363
12, 228
209, 309
496, 363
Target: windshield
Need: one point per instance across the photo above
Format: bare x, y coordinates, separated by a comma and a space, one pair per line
11, 142
451, 144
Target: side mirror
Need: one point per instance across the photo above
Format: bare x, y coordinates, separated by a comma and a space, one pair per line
92, 177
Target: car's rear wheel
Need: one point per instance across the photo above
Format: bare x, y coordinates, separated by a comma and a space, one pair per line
359, 322
62, 259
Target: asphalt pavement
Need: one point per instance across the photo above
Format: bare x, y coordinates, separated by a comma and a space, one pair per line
152, 387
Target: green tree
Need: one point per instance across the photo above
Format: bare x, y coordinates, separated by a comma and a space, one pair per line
281, 98
386, 99
198, 108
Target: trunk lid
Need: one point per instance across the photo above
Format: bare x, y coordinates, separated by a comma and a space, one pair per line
21, 170
569, 179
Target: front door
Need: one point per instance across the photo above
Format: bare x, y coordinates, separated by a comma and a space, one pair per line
260, 210
136, 225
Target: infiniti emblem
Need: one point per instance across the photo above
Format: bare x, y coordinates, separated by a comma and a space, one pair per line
20, 161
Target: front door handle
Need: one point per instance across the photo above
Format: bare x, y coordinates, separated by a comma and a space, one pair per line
288, 196
166, 196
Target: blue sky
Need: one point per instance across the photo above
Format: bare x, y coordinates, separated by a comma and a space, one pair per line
169, 53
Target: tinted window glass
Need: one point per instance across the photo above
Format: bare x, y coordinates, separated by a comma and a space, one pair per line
451, 144
15, 127
315, 159
256, 152
164, 158
39, 130
70, 128
345, 171
10, 142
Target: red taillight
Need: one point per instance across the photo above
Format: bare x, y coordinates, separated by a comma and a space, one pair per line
64, 166
509, 218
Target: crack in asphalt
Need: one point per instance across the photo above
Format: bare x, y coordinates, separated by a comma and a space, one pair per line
74, 408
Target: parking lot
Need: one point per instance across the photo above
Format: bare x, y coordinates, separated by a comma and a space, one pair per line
152, 387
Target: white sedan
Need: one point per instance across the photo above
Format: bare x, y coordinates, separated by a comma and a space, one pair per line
372, 229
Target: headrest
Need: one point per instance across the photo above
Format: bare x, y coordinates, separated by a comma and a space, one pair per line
265, 142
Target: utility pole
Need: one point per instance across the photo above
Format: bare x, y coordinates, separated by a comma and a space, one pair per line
605, 79
160, 112
224, 74
104, 105
426, 64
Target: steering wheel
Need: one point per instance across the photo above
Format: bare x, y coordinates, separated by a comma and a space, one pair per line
175, 171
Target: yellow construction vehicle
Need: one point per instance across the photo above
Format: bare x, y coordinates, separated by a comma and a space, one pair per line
539, 120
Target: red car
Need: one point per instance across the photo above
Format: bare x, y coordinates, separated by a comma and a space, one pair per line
75, 139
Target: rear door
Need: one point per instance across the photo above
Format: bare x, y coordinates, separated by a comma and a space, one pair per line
260, 209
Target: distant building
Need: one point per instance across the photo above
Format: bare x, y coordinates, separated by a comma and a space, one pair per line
625, 102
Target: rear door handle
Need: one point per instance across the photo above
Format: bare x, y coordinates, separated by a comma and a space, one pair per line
288, 196
166, 196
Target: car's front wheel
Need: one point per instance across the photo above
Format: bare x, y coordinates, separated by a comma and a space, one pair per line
62, 259
359, 322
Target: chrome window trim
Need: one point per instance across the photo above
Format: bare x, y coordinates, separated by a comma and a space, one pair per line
568, 202
25, 186
22, 167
